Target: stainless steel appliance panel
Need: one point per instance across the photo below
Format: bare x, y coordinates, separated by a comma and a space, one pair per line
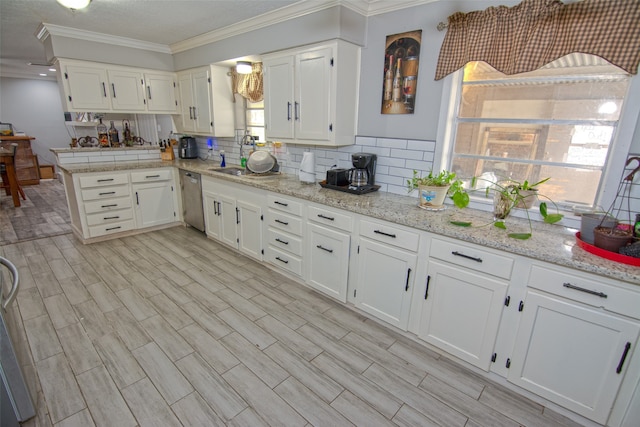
193, 211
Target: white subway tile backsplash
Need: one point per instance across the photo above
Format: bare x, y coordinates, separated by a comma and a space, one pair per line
74, 160
413, 144
101, 159
366, 141
406, 154
419, 165
392, 143
429, 156
388, 161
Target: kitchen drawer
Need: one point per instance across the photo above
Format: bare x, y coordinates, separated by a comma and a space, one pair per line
285, 261
283, 204
107, 205
285, 222
116, 227
472, 257
285, 241
109, 217
389, 234
151, 175
330, 217
106, 193
103, 180
589, 290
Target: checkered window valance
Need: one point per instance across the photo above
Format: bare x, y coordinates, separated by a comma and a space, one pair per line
248, 85
535, 32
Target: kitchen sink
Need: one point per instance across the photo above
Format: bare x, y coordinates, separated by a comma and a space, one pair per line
243, 172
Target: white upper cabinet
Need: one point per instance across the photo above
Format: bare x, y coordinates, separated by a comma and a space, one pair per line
311, 94
96, 87
206, 102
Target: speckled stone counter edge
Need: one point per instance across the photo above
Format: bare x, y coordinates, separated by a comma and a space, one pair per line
550, 243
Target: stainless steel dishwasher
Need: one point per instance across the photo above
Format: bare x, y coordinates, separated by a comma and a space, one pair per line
191, 186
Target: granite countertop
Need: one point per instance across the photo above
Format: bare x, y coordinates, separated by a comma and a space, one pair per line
550, 243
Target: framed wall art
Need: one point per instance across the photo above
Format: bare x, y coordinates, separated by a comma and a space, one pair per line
400, 76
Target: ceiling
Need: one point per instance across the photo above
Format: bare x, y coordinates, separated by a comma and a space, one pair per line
164, 22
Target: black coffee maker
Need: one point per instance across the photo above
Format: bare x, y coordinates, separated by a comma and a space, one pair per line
363, 176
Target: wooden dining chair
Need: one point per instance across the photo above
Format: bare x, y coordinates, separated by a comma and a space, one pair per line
5, 178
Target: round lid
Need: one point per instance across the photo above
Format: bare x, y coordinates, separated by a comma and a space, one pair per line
261, 162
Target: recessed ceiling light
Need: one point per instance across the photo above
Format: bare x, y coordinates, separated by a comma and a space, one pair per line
243, 67
75, 4
53, 70
43, 74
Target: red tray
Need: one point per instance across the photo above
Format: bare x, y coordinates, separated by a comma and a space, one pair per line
613, 256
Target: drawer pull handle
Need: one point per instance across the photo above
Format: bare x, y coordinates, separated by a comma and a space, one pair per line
112, 228
324, 249
280, 203
109, 206
625, 353
588, 291
282, 260
281, 241
384, 234
152, 176
281, 222
326, 217
111, 217
472, 258
406, 286
426, 289
105, 180
107, 193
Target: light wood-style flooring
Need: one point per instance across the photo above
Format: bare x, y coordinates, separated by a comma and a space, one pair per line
169, 328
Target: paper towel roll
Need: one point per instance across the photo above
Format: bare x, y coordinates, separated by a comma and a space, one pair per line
307, 169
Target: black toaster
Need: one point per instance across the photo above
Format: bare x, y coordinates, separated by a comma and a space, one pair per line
338, 177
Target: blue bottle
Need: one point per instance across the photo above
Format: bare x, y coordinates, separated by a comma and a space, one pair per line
222, 161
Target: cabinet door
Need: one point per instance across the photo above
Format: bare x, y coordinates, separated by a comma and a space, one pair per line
572, 355
278, 97
127, 90
385, 280
186, 101
201, 101
328, 261
462, 312
229, 220
161, 92
250, 229
87, 88
312, 94
154, 204
212, 215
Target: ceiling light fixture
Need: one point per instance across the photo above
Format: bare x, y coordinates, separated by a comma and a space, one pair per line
74, 4
243, 67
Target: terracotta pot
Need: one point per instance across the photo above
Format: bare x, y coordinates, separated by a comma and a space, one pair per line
611, 238
431, 196
589, 221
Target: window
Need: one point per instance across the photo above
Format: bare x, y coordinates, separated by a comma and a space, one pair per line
255, 119
559, 121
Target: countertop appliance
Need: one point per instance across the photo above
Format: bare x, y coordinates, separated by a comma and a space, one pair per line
364, 173
188, 148
191, 185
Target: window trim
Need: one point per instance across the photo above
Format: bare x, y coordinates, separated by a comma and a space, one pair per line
612, 171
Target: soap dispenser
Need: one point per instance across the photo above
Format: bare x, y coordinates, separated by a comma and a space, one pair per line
223, 163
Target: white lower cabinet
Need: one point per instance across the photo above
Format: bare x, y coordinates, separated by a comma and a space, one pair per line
285, 248
386, 273
328, 261
155, 197
233, 216
461, 312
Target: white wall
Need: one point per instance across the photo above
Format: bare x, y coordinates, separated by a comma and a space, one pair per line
34, 107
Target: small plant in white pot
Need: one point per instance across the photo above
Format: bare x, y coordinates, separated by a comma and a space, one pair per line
434, 188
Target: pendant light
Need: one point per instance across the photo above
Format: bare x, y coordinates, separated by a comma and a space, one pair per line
74, 4
243, 67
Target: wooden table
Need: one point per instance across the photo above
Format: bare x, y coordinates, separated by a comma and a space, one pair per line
6, 157
26, 164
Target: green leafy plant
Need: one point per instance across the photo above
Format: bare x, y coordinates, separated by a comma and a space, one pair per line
510, 195
456, 191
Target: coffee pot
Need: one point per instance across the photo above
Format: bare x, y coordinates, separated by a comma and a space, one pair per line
358, 177
363, 174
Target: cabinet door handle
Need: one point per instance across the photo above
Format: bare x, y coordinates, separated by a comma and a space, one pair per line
104, 89
326, 217
406, 286
109, 206
105, 180
219, 210
113, 88
195, 115
111, 217
215, 208
280, 203
106, 193
324, 249
588, 291
472, 258
288, 111
112, 228
281, 222
148, 91
282, 260
152, 176
237, 216
426, 289
296, 107
281, 241
384, 234
627, 347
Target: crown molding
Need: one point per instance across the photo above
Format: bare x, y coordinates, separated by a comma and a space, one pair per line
46, 30
377, 7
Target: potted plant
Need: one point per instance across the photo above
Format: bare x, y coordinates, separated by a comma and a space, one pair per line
509, 195
434, 188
